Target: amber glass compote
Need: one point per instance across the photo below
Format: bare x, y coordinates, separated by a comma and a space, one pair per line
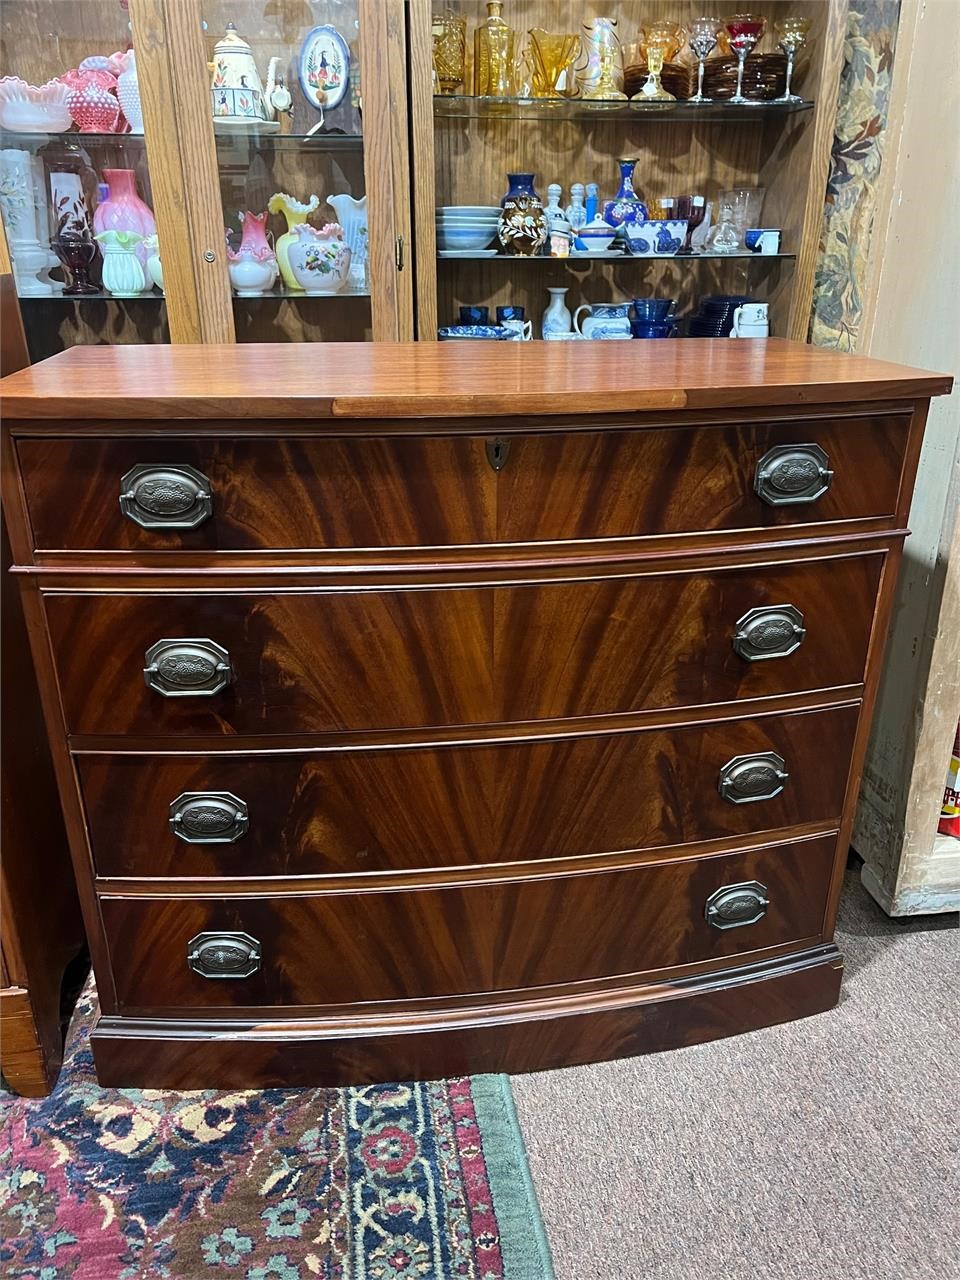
659, 42
791, 36
744, 31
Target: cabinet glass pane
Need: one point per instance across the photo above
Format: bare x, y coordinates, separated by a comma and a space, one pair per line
285, 96
61, 185
512, 95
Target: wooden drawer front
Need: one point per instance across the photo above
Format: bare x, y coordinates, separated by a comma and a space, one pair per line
316, 662
362, 811
347, 948
442, 491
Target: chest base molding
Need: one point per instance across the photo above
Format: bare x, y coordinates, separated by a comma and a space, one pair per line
533, 1036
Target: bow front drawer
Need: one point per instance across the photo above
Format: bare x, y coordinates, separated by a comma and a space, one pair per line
315, 493
348, 948
330, 661
359, 811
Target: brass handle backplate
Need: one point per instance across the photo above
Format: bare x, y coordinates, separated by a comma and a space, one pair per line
208, 817
760, 776
791, 473
737, 904
165, 497
769, 631
223, 955
187, 668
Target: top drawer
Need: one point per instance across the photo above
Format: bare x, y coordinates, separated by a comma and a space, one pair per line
313, 493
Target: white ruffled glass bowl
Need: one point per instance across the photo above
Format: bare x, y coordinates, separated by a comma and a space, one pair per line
29, 108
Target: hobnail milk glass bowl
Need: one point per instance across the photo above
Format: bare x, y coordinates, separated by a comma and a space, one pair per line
30, 108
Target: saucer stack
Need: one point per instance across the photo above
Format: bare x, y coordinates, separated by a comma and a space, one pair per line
715, 317
467, 228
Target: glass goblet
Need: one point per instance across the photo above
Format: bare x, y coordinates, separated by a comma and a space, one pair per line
449, 52
703, 41
693, 210
744, 30
791, 36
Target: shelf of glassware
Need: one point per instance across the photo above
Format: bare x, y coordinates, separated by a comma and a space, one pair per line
101, 295
576, 259
461, 106
32, 141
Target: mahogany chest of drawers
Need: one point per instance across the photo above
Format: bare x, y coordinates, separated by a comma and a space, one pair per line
422, 711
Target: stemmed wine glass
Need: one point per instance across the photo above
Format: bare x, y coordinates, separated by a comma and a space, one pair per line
744, 30
703, 41
791, 36
693, 209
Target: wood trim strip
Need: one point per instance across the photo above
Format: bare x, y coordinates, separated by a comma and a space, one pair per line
231, 886
469, 735
442, 1012
641, 560
178, 125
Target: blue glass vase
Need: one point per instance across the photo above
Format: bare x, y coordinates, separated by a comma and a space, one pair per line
522, 225
626, 205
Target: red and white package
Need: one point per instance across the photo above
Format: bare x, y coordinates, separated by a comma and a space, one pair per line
949, 824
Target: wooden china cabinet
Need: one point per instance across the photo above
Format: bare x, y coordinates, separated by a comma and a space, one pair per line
408, 152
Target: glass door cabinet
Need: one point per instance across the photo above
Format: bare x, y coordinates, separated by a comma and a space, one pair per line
75, 192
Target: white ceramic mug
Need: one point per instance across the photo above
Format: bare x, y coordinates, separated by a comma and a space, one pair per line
751, 320
522, 329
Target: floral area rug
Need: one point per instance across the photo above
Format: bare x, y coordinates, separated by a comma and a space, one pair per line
391, 1182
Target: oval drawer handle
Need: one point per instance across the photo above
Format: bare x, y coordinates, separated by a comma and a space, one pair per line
737, 904
223, 955
745, 779
162, 497
790, 473
769, 631
187, 668
208, 817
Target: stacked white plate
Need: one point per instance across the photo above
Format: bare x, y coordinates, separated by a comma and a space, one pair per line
466, 228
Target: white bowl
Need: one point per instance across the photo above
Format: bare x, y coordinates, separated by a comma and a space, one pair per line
465, 239
29, 108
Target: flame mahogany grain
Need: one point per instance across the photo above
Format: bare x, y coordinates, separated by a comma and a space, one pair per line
477, 716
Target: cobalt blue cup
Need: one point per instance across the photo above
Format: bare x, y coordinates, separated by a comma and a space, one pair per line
650, 329
651, 309
510, 313
474, 315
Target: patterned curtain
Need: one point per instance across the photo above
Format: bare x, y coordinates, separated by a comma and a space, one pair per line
855, 167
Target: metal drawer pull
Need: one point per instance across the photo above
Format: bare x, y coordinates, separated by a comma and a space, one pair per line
187, 668
208, 817
770, 631
790, 473
161, 497
745, 779
223, 955
737, 904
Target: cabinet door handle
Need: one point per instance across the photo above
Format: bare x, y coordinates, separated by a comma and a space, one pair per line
187, 668
224, 955
161, 497
769, 631
208, 817
791, 473
737, 904
760, 776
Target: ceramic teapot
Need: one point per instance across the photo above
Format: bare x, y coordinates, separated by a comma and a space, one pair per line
236, 89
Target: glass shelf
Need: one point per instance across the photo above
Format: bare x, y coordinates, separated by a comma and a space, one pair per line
277, 294
100, 296
578, 258
466, 106
253, 137
12, 138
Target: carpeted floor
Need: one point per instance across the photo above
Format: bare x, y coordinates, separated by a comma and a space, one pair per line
827, 1149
